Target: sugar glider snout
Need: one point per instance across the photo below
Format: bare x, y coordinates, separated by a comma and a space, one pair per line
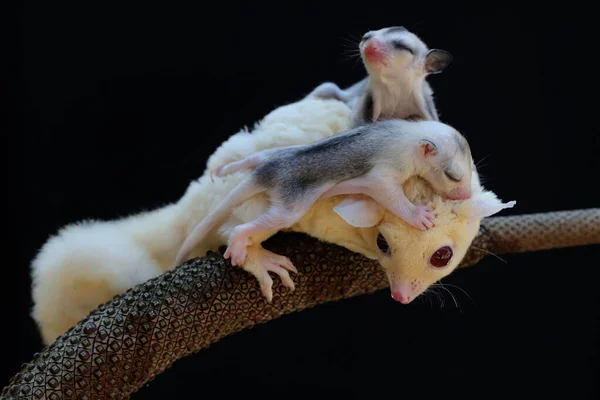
460, 193
373, 51
399, 297
402, 292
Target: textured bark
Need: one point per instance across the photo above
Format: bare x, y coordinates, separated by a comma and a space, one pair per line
126, 342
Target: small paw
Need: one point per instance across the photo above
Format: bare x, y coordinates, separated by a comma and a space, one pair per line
261, 261
279, 265
422, 217
327, 90
237, 250
221, 170
218, 171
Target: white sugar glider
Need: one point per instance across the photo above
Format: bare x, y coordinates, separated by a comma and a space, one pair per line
294, 182
397, 62
412, 259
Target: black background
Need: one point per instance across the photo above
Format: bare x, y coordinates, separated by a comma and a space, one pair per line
120, 106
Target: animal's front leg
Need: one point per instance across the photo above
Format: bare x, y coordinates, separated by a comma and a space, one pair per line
236, 249
376, 109
329, 90
387, 193
350, 186
260, 262
393, 198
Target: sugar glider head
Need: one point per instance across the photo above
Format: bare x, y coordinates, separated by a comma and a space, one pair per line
447, 162
394, 52
413, 259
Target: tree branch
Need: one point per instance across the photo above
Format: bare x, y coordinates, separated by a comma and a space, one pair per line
126, 342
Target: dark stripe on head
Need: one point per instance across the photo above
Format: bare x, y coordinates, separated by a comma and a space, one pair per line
396, 29
462, 143
400, 45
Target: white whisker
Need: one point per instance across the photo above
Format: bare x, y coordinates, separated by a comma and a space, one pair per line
451, 294
490, 253
462, 290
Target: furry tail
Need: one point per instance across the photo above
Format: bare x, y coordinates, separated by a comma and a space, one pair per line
246, 189
85, 264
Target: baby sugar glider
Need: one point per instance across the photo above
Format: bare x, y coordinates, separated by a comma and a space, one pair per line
373, 159
398, 63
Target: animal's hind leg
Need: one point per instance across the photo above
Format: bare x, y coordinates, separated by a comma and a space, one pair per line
248, 162
278, 217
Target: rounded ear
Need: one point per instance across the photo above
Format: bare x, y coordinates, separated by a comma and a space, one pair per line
360, 211
437, 60
427, 148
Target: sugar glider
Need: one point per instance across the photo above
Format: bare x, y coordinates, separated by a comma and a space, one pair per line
412, 259
374, 159
87, 263
397, 62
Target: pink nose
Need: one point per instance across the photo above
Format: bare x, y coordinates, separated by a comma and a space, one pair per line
399, 297
462, 193
373, 51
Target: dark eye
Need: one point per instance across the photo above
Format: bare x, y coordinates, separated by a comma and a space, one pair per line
451, 177
366, 37
382, 244
399, 45
441, 257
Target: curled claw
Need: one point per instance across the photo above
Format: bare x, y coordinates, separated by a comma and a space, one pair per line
237, 251
275, 259
277, 264
423, 217
266, 285
261, 261
283, 274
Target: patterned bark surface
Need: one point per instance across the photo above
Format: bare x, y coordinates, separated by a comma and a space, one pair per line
126, 342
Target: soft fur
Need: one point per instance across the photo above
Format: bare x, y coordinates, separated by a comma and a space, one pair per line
398, 63
407, 266
88, 263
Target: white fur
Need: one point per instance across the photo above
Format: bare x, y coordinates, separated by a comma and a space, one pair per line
86, 264
396, 80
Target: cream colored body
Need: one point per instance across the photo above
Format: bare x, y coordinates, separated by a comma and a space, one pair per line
89, 262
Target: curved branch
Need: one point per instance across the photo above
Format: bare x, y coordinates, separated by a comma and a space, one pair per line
126, 342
